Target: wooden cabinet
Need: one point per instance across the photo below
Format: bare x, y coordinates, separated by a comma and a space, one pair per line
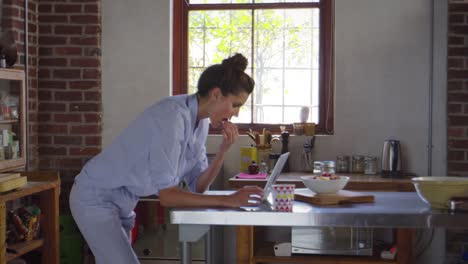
12, 119
46, 185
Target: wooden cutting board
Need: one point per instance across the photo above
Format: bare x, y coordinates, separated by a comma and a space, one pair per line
306, 195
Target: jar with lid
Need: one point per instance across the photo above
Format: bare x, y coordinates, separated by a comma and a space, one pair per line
358, 164
318, 168
328, 168
370, 165
342, 163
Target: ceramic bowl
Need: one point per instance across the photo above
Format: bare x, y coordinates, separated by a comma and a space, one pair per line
325, 186
437, 191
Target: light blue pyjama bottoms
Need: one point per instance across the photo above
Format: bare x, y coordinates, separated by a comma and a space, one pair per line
105, 218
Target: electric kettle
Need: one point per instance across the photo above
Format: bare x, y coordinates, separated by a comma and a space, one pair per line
391, 159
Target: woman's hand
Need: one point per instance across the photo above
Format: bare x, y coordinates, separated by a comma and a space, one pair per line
230, 135
246, 196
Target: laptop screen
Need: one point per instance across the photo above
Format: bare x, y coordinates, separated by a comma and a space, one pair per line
274, 175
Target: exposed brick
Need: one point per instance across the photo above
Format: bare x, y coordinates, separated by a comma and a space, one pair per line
45, 8
455, 63
68, 96
457, 51
91, 51
92, 96
84, 85
85, 41
458, 144
458, 120
91, 8
67, 8
44, 139
456, 18
85, 62
53, 107
48, 40
53, 84
457, 97
69, 163
92, 118
455, 132
67, 74
10, 11
93, 141
45, 51
84, 107
53, 18
53, 62
85, 19
454, 108
84, 151
43, 74
68, 140
45, 29
91, 74
67, 51
43, 117
85, 129
457, 166
68, 30
52, 151
453, 7
67, 118
456, 155
92, 30
45, 95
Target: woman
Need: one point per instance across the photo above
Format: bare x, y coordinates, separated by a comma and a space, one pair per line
158, 153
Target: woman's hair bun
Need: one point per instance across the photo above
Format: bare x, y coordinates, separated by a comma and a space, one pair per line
237, 62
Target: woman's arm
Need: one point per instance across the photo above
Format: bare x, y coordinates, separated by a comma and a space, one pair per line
177, 197
230, 135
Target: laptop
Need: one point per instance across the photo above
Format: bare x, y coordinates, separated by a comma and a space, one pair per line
271, 181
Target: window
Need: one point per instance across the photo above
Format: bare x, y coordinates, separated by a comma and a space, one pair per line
289, 46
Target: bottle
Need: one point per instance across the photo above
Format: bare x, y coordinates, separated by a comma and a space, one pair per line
253, 168
3, 61
263, 167
284, 148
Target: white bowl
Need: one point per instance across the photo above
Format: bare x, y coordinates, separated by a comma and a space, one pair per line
437, 191
323, 186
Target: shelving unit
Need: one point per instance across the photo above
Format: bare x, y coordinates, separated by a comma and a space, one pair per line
12, 82
47, 186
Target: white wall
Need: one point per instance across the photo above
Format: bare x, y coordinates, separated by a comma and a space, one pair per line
136, 59
383, 74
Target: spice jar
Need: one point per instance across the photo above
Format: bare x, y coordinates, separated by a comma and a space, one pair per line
342, 163
328, 167
318, 168
358, 164
370, 165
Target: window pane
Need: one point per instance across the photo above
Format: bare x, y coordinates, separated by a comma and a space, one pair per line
286, 63
219, 1
194, 74
287, 1
245, 113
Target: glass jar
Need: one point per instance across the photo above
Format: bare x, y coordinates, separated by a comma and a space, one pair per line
370, 165
358, 164
273, 158
342, 163
318, 168
328, 167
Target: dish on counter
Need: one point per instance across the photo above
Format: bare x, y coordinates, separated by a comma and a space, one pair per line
437, 191
321, 185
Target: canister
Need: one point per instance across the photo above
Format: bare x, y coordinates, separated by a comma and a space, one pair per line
370, 165
342, 163
248, 154
358, 164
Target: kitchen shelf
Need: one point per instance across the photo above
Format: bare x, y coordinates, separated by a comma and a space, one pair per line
24, 247
46, 186
9, 121
265, 254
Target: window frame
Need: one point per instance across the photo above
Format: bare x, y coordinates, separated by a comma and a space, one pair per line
181, 10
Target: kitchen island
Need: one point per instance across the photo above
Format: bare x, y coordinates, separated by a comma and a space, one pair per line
402, 210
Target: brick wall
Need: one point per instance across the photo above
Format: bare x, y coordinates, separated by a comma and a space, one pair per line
69, 110
457, 109
458, 89
13, 20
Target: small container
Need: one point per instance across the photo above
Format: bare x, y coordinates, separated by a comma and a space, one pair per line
370, 165
342, 163
328, 167
358, 164
263, 167
273, 158
318, 167
3, 61
253, 168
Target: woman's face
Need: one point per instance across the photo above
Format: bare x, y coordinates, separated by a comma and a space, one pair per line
225, 107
